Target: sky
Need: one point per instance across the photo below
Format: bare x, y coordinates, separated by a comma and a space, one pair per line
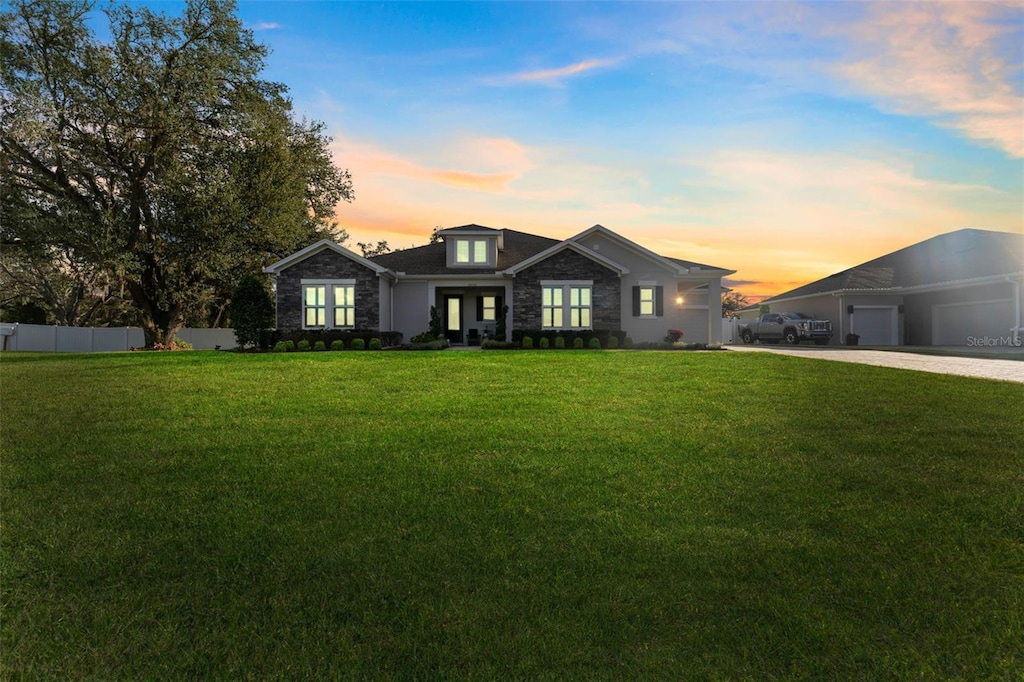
784, 140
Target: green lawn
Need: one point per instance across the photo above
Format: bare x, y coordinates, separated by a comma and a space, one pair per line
530, 515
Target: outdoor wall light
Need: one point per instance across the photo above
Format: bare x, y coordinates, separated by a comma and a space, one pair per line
679, 300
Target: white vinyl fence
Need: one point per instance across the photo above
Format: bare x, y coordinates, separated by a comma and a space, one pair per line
729, 330
39, 337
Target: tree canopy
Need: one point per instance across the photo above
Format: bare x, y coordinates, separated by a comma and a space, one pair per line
158, 156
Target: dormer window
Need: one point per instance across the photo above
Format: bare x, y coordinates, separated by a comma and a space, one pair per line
471, 251
472, 246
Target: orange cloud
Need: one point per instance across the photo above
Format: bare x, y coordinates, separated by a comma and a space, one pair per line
367, 160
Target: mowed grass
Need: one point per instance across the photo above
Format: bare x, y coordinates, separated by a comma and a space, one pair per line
527, 515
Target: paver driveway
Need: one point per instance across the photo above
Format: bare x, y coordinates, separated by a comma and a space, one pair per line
986, 368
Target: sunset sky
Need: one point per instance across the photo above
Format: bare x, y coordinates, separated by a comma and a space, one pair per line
786, 141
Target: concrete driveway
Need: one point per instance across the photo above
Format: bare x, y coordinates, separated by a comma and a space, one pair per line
985, 368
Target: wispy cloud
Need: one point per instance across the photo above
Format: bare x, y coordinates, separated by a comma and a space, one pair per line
945, 60
367, 160
267, 26
555, 75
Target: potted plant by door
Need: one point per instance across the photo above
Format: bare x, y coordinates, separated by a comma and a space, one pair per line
852, 339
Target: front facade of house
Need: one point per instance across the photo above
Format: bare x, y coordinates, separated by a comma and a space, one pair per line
596, 280
961, 288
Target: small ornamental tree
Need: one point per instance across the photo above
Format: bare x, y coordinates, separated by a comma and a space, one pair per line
499, 327
252, 310
435, 322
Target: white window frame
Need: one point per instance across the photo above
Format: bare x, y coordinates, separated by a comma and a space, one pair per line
330, 306
653, 288
562, 313
474, 247
491, 309
552, 307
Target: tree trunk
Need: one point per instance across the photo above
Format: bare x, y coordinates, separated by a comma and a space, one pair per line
161, 331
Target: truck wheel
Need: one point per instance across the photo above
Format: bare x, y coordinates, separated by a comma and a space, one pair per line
747, 336
791, 337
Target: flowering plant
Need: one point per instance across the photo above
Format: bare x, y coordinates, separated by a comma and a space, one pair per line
674, 335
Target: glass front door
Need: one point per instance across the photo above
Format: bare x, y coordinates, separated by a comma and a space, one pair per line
453, 318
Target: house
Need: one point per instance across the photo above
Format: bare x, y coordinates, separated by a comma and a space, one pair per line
961, 288
596, 280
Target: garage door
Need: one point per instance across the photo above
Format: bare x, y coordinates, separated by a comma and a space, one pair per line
876, 326
954, 324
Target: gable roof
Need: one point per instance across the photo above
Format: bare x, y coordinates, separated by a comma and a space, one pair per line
572, 246
675, 265
432, 259
947, 259
313, 249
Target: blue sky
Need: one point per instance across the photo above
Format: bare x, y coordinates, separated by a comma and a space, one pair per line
786, 141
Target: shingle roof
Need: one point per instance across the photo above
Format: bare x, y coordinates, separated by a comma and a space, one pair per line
691, 264
472, 227
947, 258
432, 258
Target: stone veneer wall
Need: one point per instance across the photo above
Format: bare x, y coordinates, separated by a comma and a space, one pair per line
606, 298
327, 265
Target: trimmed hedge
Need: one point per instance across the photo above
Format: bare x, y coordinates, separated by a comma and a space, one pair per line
329, 336
494, 344
570, 336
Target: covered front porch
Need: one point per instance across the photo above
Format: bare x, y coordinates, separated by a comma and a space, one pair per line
470, 311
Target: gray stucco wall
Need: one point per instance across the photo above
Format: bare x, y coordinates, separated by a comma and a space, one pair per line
411, 308
327, 265
606, 311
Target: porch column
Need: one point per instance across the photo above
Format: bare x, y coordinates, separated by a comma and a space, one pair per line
508, 318
715, 310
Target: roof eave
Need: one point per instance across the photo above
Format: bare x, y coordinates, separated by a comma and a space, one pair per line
318, 247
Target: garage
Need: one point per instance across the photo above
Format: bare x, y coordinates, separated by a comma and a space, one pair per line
955, 324
876, 325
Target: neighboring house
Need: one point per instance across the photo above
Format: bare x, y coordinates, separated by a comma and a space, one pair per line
596, 280
962, 288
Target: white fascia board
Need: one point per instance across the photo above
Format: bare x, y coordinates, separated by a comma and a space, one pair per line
316, 248
704, 275
952, 284
497, 276
561, 246
633, 246
902, 291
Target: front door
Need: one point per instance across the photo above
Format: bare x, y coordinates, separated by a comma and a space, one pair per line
453, 318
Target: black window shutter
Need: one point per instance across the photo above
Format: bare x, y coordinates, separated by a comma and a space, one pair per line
479, 308
659, 301
636, 301
497, 308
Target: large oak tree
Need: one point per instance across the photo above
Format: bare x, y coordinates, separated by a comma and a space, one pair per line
156, 154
